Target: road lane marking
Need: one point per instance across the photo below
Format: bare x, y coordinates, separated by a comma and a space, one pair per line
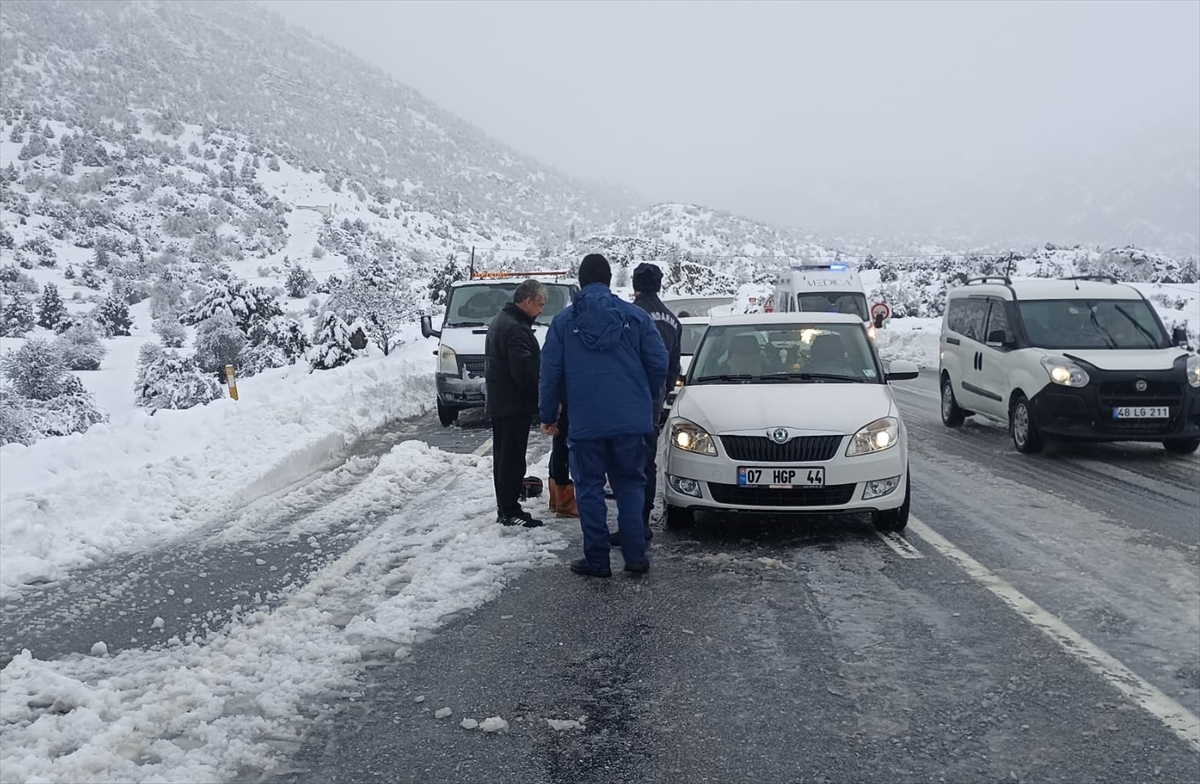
483, 448
899, 544
1139, 691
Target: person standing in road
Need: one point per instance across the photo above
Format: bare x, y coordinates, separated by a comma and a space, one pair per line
608, 359
647, 281
513, 358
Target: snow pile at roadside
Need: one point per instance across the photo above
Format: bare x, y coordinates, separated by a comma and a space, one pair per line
67, 501
214, 708
914, 339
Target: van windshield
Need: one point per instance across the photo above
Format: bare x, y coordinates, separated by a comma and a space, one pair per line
834, 302
476, 304
1092, 324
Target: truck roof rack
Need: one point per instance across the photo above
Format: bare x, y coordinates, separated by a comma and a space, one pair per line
1102, 278
1007, 281
483, 275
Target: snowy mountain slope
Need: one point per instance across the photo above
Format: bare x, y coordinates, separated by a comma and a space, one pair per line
237, 66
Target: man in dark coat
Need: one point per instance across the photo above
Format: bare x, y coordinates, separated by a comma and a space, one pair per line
606, 357
647, 281
511, 377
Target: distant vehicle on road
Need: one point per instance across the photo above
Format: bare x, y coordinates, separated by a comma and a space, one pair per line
687, 306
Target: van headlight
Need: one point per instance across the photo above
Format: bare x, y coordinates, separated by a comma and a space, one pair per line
447, 361
879, 435
1065, 372
690, 437
1193, 370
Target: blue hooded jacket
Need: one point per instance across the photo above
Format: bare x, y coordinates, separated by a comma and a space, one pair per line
609, 358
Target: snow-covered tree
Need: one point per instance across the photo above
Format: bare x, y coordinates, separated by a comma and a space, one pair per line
51, 310
299, 281
219, 340
168, 379
36, 370
171, 332
439, 285
331, 345
24, 420
16, 315
113, 316
80, 348
381, 294
89, 277
237, 299
283, 332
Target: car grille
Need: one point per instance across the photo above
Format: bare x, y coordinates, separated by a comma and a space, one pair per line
1124, 393
760, 449
473, 364
830, 495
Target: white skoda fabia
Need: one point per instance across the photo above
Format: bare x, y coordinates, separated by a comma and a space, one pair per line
788, 412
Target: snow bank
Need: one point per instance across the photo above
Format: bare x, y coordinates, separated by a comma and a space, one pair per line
914, 339
67, 501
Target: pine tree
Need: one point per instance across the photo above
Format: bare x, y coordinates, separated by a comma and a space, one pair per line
113, 316
219, 340
51, 310
299, 281
331, 345
439, 285
36, 370
170, 380
16, 316
89, 277
18, 133
80, 348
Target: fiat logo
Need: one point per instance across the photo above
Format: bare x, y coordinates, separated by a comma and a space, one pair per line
1140, 385
779, 435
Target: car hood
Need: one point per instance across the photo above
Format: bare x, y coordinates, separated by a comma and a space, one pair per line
1138, 359
815, 408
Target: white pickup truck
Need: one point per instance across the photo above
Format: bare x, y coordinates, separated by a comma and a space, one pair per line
470, 308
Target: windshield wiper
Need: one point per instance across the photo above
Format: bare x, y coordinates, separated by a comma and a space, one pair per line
812, 377
737, 377
1145, 332
1108, 338
468, 324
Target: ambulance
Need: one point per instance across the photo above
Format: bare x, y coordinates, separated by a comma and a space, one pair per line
821, 287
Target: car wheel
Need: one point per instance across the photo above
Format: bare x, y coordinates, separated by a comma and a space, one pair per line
678, 517
952, 415
1182, 446
447, 415
1023, 428
894, 519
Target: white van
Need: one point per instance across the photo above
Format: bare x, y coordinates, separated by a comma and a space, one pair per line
470, 308
822, 287
1083, 358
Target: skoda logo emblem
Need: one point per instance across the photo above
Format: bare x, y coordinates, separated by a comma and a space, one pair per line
779, 435
1140, 385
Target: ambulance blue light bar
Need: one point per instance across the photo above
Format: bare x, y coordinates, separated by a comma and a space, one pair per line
823, 265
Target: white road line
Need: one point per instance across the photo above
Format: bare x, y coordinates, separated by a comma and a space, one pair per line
1140, 692
899, 544
483, 448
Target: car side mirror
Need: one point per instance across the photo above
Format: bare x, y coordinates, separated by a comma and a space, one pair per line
1179, 337
901, 370
998, 338
427, 329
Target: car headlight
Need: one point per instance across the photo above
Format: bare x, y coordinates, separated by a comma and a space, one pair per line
872, 332
447, 361
879, 435
1193, 370
1065, 372
690, 437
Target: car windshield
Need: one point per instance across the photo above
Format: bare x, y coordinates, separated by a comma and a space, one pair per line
475, 305
1092, 324
834, 302
785, 353
691, 338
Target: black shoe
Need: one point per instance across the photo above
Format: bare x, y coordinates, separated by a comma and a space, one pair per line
521, 518
583, 567
638, 567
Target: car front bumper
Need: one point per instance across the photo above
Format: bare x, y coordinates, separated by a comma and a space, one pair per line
846, 481
1086, 413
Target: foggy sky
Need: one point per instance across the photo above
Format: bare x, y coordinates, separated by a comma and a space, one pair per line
826, 116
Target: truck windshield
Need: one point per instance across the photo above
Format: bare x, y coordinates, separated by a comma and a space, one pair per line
1092, 324
476, 304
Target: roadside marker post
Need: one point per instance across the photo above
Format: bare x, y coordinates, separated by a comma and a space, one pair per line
231, 381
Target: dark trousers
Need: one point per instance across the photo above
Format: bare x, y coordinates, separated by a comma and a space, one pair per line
510, 440
621, 459
560, 468
651, 471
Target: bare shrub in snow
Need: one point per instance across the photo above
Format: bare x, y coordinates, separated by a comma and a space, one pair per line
80, 348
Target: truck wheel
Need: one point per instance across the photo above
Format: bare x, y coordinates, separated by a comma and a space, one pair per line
447, 415
1023, 429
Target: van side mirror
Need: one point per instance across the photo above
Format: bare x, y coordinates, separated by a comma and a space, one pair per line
901, 370
427, 329
998, 338
1179, 337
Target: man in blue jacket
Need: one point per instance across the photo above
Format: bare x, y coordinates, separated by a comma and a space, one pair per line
609, 358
